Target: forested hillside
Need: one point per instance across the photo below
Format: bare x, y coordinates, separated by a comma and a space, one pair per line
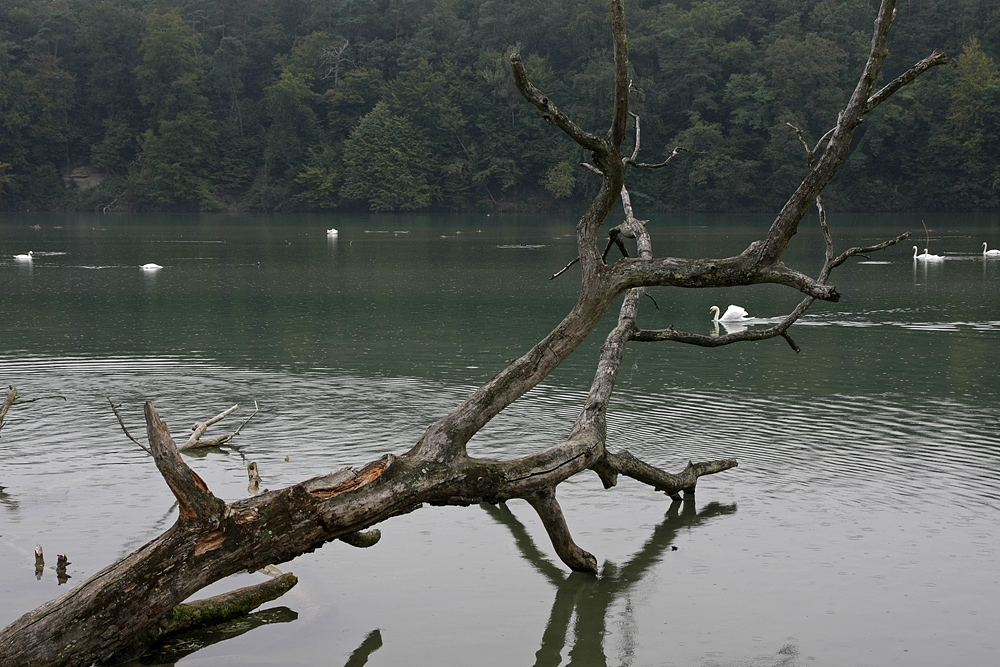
409, 104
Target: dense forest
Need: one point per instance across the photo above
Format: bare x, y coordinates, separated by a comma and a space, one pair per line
402, 105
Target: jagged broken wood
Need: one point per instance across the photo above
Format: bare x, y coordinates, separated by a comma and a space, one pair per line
115, 610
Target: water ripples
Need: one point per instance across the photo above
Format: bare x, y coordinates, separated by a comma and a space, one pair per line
324, 420
891, 446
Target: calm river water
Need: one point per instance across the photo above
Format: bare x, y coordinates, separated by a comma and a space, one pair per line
860, 527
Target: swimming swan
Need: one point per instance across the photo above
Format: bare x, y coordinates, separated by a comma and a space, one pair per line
331, 232
926, 256
733, 313
990, 253
24, 258
151, 267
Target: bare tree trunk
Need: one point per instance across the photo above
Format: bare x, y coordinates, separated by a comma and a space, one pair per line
129, 603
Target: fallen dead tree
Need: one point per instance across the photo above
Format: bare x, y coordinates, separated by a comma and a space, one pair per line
121, 608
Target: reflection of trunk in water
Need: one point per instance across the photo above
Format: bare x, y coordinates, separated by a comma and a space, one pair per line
592, 598
183, 644
147, 535
372, 643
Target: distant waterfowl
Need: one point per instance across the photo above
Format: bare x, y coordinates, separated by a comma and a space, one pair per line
926, 256
990, 253
24, 258
732, 314
331, 232
150, 267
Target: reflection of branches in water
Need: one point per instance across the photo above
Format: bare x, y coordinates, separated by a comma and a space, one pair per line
184, 644
372, 643
202, 452
8, 500
156, 529
591, 598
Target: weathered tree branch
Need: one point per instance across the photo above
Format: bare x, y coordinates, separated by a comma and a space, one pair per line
936, 58
545, 503
861, 102
550, 112
197, 503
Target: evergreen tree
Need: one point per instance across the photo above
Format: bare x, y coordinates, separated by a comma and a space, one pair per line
385, 163
178, 148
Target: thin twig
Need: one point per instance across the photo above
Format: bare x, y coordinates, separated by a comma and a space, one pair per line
120, 421
563, 269
40, 398
677, 151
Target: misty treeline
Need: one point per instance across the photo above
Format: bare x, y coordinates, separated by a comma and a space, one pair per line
282, 105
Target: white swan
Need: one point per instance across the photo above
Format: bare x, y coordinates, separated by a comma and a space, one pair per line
732, 314
24, 258
926, 256
990, 253
150, 267
331, 232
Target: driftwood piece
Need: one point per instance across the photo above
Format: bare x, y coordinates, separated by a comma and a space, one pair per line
199, 429
127, 602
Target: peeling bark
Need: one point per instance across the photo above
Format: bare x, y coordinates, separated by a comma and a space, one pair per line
125, 604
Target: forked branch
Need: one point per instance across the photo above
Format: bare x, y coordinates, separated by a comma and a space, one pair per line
198, 430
